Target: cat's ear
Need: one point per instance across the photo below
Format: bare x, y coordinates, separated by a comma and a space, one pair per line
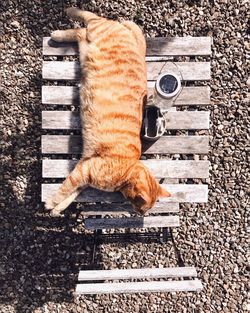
164, 193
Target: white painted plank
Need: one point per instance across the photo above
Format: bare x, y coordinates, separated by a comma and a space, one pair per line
179, 193
188, 71
67, 144
132, 287
160, 168
175, 120
159, 46
132, 222
137, 273
68, 95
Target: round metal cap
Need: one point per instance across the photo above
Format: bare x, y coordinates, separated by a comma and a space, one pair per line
168, 85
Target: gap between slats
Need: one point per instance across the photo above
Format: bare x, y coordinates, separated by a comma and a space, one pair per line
69, 95
119, 208
132, 222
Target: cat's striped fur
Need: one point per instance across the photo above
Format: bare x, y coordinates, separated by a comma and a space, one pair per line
114, 86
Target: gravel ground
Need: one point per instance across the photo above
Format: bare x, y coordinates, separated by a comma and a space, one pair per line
40, 256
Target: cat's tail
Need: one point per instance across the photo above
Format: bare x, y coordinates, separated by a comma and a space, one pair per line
81, 15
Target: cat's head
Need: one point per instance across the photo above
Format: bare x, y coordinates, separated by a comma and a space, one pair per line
142, 189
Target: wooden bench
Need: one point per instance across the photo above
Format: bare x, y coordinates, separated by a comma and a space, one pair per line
183, 149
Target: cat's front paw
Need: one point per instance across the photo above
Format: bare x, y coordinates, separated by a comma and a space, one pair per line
50, 204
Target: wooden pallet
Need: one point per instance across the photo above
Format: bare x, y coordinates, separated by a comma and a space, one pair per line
194, 95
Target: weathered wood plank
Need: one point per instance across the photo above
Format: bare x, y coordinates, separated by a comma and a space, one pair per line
177, 144
160, 168
59, 70
68, 95
132, 222
124, 208
188, 71
158, 58
179, 46
137, 273
51, 47
179, 193
175, 120
64, 144
194, 95
160, 46
151, 286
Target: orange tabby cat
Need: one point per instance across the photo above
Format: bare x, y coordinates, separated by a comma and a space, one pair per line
112, 94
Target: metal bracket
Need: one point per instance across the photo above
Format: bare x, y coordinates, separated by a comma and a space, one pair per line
165, 235
97, 234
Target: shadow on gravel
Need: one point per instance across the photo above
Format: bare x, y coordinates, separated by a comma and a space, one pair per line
40, 256
41, 263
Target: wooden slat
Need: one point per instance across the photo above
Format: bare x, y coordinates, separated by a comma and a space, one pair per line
193, 95
188, 71
65, 144
126, 208
177, 144
152, 286
180, 193
132, 222
158, 58
59, 70
68, 95
51, 47
179, 46
160, 168
171, 46
137, 273
175, 120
